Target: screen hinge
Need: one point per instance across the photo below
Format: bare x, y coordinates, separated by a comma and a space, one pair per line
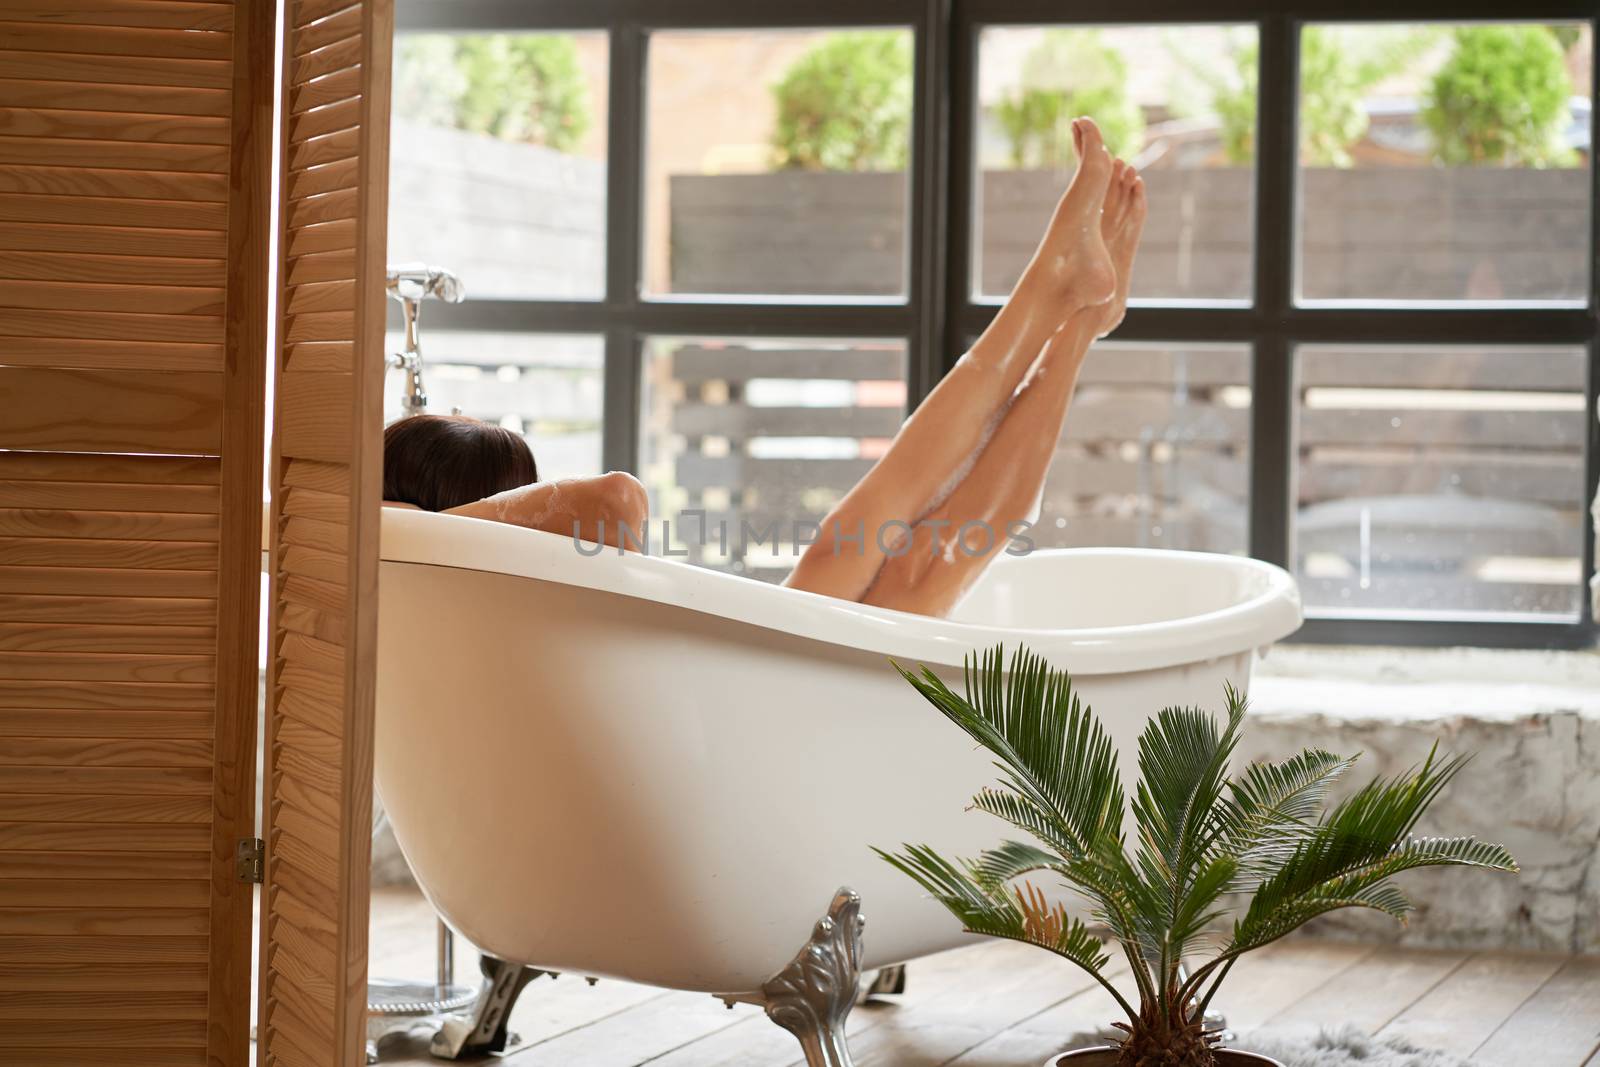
249, 859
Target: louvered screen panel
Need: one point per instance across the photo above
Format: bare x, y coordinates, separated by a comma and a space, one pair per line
327, 469
133, 174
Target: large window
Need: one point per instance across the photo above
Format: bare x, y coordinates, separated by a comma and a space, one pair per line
725, 246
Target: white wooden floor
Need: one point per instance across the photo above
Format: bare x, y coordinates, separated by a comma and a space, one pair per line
1006, 1005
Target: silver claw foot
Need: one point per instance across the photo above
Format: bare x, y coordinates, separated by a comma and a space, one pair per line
1217, 1023
1214, 1022
485, 1029
812, 996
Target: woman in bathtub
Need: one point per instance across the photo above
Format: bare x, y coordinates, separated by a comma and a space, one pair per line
976, 450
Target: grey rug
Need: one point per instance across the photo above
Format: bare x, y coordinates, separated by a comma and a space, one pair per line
1346, 1047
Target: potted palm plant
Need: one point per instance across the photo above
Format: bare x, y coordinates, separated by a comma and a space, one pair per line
1223, 862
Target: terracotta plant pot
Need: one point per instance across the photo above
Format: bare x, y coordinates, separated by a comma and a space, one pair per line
1106, 1056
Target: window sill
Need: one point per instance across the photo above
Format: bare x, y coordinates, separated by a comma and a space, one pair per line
1355, 682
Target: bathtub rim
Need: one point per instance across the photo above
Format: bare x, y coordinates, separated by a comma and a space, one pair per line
413, 537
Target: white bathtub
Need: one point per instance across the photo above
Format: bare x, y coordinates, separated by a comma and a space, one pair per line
629, 767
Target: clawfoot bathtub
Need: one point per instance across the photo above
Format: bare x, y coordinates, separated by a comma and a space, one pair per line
626, 767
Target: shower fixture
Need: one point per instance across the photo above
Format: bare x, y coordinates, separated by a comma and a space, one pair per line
410, 284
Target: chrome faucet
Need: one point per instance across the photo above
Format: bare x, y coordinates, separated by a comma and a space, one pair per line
411, 284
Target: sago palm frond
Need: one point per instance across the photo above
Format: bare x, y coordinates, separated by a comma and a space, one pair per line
1019, 913
1012, 859
1106, 882
1368, 827
1029, 816
1100, 875
1346, 860
1367, 885
1049, 926
1059, 777
1198, 907
1270, 806
1049, 748
1183, 764
1203, 835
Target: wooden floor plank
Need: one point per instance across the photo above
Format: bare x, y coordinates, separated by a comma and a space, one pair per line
1014, 1048
999, 1004
970, 1009
1065, 1025
756, 1040
634, 1036
1260, 985
1461, 1012
1268, 982
1370, 995
402, 934
1561, 1020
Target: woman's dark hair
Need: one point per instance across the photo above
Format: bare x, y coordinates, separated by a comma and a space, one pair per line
443, 461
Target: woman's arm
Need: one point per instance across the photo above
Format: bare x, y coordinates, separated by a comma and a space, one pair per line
592, 509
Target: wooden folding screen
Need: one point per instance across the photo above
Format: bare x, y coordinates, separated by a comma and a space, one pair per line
326, 477
135, 140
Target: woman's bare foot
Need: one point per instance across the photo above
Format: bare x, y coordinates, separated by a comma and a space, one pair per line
1121, 224
1072, 255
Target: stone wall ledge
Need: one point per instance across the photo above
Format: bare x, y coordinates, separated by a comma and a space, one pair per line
1531, 720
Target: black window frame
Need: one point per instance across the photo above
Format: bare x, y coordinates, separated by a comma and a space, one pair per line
939, 311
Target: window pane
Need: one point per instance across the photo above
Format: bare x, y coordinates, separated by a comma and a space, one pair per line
777, 162
1155, 452
1178, 102
1440, 481
762, 431
1444, 162
498, 161
547, 387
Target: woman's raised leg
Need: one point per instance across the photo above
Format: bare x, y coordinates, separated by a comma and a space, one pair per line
952, 545
1070, 271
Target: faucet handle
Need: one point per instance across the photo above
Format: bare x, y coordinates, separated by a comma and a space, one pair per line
419, 281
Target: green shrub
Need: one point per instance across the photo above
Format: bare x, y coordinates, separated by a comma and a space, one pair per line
1235, 103
1336, 73
1501, 97
1335, 77
528, 88
427, 82
1067, 74
846, 104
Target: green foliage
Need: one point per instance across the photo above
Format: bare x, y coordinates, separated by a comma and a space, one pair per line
1235, 101
1069, 73
1336, 74
846, 104
1338, 68
528, 88
1224, 91
1501, 97
1203, 835
427, 81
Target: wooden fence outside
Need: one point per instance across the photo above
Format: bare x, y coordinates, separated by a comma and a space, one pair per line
1417, 470
1408, 233
515, 220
